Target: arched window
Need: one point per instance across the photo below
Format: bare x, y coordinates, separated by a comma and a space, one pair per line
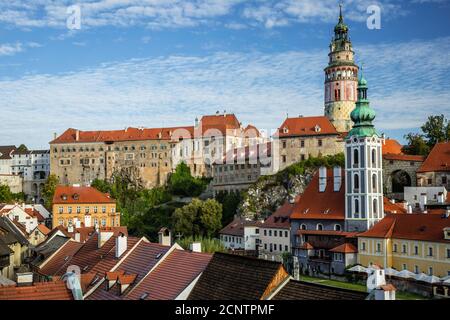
375, 208
303, 226
355, 157
374, 183
319, 226
337, 227
356, 182
356, 207
374, 158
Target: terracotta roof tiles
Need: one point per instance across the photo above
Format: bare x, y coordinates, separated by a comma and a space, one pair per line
69, 194
306, 126
438, 159
53, 290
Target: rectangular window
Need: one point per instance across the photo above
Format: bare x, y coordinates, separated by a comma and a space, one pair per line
270, 233
60, 209
416, 250
86, 209
274, 233
302, 143
95, 209
405, 266
319, 142
69, 209
265, 246
284, 144
103, 209
265, 233
430, 251
394, 249
283, 159
430, 271
363, 245
286, 248
416, 269
280, 247
378, 247
286, 234
404, 248
448, 253
78, 209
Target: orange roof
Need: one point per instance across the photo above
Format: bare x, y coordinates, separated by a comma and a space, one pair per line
345, 248
69, 194
52, 290
321, 205
114, 275
280, 218
390, 207
391, 146
424, 227
127, 278
34, 213
438, 159
306, 246
43, 229
306, 126
403, 157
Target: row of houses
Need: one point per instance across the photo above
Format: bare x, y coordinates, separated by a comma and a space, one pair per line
108, 264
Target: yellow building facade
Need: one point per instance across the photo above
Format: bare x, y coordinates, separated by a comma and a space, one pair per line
426, 251
83, 207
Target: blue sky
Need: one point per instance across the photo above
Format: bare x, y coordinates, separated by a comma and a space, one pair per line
163, 62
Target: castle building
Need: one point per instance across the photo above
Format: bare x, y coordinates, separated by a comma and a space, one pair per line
363, 167
341, 78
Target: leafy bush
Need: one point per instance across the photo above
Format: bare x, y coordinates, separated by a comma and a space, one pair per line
209, 245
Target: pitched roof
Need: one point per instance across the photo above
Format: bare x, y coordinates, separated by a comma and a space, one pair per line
314, 204
306, 246
52, 290
300, 290
306, 126
235, 277
47, 248
13, 234
139, 262
390, 207
35, 214
6, 151
345, 248
55, 264
280, 218
391, 146
70, 194
172, 276
403, 157
236, 227
438, 159
422, 227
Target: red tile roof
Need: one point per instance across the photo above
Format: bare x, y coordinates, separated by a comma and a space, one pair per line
327, 233
53, 290
236, 227
140, 261
345, 248
423, 227
403, 157
43, 229
34, 213
126, 278
172, 276
438, 159
306, 126
55, 264
69, 194
321, 205
391, 146
390, 207
280, 218
306, 246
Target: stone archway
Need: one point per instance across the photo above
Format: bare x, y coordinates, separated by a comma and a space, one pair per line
399, 180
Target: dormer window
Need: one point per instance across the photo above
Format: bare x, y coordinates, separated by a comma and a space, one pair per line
64, 196
76, 196
317, 128
285, 130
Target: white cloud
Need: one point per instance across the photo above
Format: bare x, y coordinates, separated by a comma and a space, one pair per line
10, 49
189, 13
407, 82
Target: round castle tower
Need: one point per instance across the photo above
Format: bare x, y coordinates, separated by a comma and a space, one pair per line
341, 78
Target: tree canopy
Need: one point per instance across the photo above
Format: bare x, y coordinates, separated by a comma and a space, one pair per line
182, 183
49, 190
435, 129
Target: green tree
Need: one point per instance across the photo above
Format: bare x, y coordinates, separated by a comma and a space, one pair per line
230, 203
416, 145
209, 245
198, 218
436, 129
182, 183
5, 194
49, 190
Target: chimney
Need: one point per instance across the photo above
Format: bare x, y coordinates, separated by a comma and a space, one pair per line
196, 122
165, 237
441, 197
423, 201
196, 247
24, 279
392, 201
103, 236
70, 227
322, 179
55, 135
77, 135
121, 245
337, 178
409, 209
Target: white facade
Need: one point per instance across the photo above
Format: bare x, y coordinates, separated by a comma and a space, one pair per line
273, 243
17, 213
251, 235
419, 197
232, 241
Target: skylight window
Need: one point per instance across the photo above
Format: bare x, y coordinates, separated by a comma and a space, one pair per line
144, 296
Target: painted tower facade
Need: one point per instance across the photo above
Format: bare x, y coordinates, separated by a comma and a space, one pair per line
363, 167
341, 78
